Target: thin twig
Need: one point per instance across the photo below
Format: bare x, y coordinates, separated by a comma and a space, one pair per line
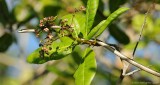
132, 72
142, 28
26, 30
121, 77
33, 30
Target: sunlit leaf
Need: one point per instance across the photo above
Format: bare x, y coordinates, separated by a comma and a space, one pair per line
101, 14
87, 68
59, 50
97, 30
92, 6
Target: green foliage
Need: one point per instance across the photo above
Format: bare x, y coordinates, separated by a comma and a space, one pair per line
77, 54
58, 51
69, 35
87, 68
92, 6
83, 25
77, 21
97, 30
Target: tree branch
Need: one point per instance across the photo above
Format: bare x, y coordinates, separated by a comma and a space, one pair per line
129, 60
113, 50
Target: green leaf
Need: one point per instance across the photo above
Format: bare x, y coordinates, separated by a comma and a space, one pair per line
76, 54
118, 34
78, 22
59, 50
115, 4
97, 30
5, 41
100, 14
87, 68
92, 6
